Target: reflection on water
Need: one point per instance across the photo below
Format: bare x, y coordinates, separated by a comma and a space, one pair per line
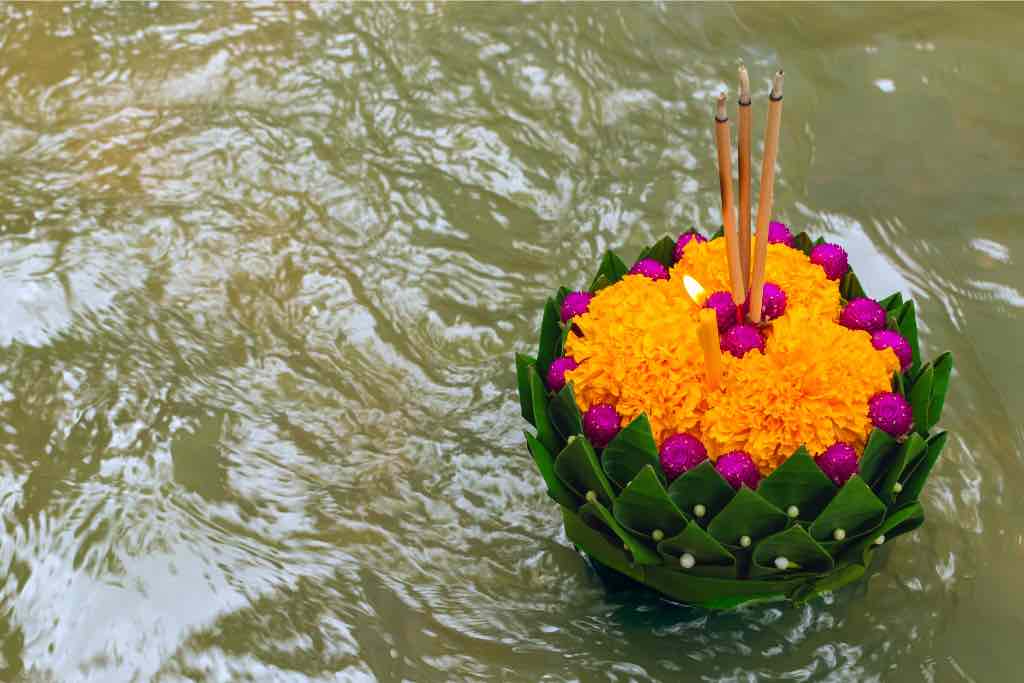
263, 269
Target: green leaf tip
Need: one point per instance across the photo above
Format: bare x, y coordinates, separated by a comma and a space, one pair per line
578, 468
630, 450
611, 270
644, 506
798, 482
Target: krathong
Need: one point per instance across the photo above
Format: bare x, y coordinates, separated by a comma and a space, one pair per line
732, 420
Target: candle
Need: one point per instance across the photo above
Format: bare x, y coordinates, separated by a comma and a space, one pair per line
764, 199
744, 167
708, 334
732, 247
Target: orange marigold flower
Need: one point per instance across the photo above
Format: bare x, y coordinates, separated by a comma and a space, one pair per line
805, 284
639, 352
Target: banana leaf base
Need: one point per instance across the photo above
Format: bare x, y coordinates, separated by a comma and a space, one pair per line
713, 592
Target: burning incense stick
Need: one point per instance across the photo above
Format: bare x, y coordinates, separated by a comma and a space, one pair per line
744, 166
765, 196
732, 246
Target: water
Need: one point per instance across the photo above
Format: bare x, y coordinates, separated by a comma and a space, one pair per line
263, 270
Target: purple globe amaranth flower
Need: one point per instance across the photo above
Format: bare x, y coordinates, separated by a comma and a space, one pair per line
648, 267
832, 259
738, 468
888, 339
574, 304
778, 233
681, 453
684, 239
838, 462
724, 307
600, 424
891, 413
773, 302
742, 338
863, 314
557, 370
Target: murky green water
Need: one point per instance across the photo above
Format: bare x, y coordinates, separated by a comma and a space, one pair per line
263, 270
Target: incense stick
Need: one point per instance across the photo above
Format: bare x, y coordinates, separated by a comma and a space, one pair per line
744, 167
728, 205
766, 196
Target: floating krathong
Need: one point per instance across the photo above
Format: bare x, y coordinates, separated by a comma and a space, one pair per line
733, 420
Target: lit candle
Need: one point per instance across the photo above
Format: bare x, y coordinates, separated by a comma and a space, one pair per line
708, 334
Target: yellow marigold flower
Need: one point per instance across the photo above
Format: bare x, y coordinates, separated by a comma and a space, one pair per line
639, 352
805, 284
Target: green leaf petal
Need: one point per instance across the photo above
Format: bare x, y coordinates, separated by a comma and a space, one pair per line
662, 251
747, 514
550, 334
637, 548
898, 385
907, 453
702, 485
797, 546
850, 287
611, 269
523, 364
546, 464
892, 302
560, 348
802, 241
545, 430
917, 473
718, 233
879, 449
564, 413
577, 466
712, 559
600, 544
828, 583
920, 397
644, 506
943, 367
629, 451
800, 482
855, 510
908, 328
911, 519
897, 523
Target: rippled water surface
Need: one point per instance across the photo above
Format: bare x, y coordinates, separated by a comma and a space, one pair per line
263, 270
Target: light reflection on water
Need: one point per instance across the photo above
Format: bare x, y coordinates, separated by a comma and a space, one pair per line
263, 269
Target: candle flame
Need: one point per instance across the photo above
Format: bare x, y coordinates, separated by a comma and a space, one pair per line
694, 289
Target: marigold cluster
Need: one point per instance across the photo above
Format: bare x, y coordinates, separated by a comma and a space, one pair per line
639, 352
